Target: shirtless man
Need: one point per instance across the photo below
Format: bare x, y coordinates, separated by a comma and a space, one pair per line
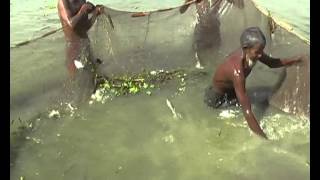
230, 77
74, 17
77, 17
207, 30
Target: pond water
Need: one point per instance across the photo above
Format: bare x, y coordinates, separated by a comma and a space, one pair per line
136, 136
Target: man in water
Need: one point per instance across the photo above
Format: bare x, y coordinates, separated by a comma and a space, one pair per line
230, 77
77, 17
207, 29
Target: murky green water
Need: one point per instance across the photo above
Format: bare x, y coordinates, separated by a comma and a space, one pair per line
137, 137
31, 18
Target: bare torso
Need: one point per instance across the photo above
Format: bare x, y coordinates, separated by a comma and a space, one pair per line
226, 72
80, 30
75, 26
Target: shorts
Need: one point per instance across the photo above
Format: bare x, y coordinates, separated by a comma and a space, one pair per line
216, 100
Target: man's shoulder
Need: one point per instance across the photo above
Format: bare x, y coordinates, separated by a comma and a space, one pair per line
61, 3
234, 58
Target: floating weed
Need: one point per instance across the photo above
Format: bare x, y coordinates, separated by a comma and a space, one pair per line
110, 87
168, 139
54, 114
148, 93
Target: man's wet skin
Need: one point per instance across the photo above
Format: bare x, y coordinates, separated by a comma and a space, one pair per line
231, 76
76, 21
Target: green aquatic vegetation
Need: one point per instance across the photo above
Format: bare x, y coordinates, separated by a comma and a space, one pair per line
52, 6
145, 82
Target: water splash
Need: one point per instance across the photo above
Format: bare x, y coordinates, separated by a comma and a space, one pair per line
280, 126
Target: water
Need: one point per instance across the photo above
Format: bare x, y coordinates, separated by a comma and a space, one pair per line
137, 137
116, 141
31, 18
295, 13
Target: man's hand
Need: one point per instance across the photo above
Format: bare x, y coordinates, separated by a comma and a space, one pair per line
99, 9
296, 60
90, 4
87, 7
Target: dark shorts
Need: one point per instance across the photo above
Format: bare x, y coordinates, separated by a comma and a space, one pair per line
207, 34
217, 100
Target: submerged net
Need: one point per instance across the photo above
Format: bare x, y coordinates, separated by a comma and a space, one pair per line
165, 40
170, 40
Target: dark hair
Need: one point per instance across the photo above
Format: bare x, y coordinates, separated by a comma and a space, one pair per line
252, 36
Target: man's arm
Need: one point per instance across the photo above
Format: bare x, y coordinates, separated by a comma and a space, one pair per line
98, 9
66, 14
277, 62
238, 3
184, 7
239, 86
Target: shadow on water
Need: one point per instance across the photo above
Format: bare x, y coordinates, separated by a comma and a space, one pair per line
18, 140
25, 98
259, 97
18, 136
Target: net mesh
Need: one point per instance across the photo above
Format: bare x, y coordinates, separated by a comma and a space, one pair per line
166, 40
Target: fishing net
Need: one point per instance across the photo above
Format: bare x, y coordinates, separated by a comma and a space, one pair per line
169, 40
132, 42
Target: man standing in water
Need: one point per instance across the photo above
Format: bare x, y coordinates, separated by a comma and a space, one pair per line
230, 77
76, 21
207, 29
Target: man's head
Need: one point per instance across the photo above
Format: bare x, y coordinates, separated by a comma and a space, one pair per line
253, 42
